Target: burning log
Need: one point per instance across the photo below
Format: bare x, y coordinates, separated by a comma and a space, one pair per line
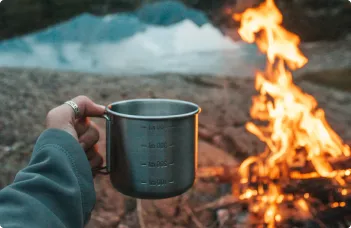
227, 174
305, 164
298, 139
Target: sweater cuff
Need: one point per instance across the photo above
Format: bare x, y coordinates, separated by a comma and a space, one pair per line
79, 162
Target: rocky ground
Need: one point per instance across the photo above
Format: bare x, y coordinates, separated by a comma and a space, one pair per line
27, 95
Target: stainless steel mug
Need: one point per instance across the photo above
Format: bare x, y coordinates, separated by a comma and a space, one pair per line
151, 147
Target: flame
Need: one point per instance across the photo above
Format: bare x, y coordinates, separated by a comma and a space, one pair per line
297, 131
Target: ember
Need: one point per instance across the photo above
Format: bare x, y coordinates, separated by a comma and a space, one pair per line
303, 155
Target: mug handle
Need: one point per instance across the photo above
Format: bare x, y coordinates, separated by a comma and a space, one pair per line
98, 170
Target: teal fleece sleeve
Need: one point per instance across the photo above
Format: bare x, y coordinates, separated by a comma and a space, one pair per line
55, 190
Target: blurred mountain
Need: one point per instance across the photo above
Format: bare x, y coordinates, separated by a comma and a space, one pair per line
20, 17
169, 12
89, 28
152, 39
312, 20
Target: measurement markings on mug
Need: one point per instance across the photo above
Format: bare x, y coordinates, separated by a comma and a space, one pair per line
158, 182
159, 145
158, 164
156, 127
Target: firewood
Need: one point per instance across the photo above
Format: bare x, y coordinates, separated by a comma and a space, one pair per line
227, 173
140, 214
222, 202
193, 216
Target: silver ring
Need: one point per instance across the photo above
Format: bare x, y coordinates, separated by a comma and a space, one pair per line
74, 107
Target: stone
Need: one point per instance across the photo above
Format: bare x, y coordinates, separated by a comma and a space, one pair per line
222, 142
205, 133
222, 216
166, 207
244, 143
211, 155
130, 204
122, 226
206, 217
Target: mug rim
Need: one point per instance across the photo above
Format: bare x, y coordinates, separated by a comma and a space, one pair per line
140, 117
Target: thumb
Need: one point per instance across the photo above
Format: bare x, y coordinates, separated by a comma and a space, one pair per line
63, 117
87, 108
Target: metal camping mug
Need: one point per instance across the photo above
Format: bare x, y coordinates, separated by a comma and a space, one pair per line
151, 147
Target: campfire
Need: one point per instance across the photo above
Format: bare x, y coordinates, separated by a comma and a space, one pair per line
303, 173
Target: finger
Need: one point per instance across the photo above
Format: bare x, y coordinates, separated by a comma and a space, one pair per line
65, 114
61, 118
82, 125
91, 153
96, 159
87, 107
96, 162
90, 137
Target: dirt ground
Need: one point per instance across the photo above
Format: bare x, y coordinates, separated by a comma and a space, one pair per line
27, 95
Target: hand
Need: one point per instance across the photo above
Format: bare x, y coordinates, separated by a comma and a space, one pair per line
81, 128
